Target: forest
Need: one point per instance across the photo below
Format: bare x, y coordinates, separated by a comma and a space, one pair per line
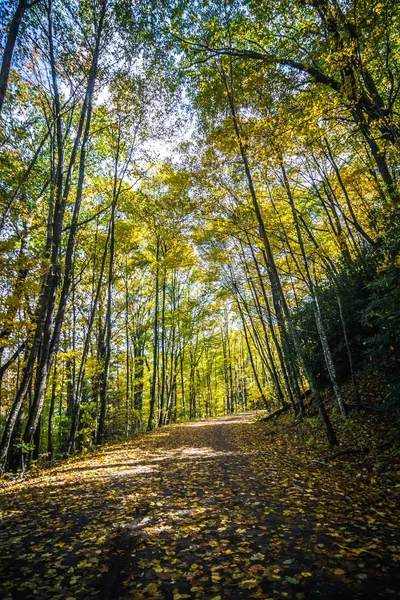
199, 218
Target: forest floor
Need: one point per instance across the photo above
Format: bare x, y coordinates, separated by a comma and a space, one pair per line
213, 509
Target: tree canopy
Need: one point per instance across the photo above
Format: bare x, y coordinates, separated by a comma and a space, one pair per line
199, 215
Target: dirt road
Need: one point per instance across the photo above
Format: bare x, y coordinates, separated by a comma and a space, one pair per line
209, 509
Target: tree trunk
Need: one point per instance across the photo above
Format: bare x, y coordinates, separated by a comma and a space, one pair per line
153, 391
51, 338
313, 292
85, 352
9, 49
163, 354
50, 448
253, 366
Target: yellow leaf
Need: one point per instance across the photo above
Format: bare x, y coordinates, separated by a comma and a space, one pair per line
248, 583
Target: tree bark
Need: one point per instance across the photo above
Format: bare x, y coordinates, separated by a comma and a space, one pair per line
153, 391
9, 48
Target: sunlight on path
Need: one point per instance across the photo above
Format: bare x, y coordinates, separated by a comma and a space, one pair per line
202, 510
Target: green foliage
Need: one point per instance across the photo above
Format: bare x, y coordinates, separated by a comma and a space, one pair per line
24, 447
236, 203
369, 292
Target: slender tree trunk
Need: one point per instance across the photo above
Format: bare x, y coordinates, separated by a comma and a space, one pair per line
139, 374
280, 305
274, 277
50, 447
231, 409
42, 338
78, 391
378, 156
317, 311
348, 350
51, 338
127, 356
271, 359
9, 48
163, 352
192, 390
153, 391
253, 333
182, 377
250, 353
105, 358
354, 219
274, 336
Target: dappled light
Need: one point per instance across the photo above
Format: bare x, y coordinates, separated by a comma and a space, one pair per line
216, 511
133, 471
198, 451
199, 299
225, 420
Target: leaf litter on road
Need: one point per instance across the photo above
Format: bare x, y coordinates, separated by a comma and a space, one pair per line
209, 509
